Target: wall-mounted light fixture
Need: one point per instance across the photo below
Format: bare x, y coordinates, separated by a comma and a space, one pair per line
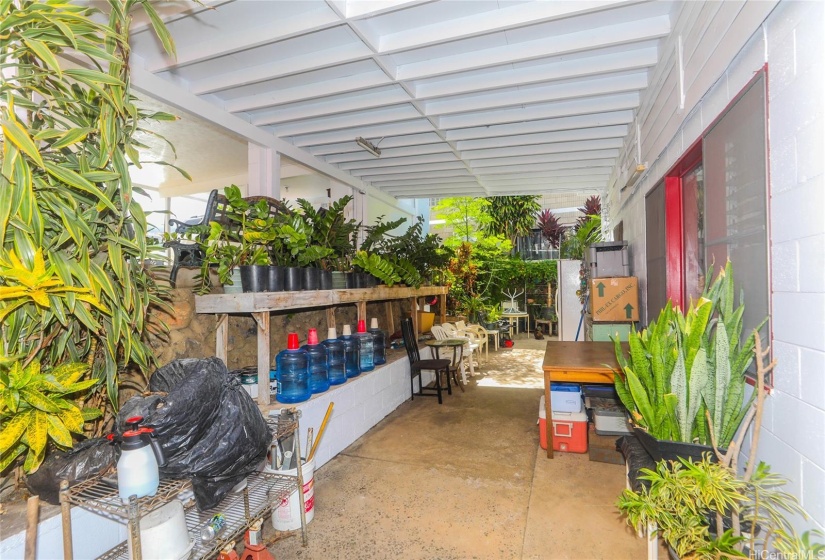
640, 169
369, 146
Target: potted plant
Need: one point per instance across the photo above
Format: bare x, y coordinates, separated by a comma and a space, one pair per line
683, 365
295, 233
710, 508
331, 231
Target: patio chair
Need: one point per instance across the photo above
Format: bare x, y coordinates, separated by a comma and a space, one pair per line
417, 365
477, 335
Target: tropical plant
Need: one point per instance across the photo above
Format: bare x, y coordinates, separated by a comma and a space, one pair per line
683, 365
577, 240
551, 229
592, 207
67, 211
466, 216
37, 406
713, 510
378, 266
330, 230
512, 216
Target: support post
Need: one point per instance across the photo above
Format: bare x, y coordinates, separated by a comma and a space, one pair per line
262, 319
66, 514
442, 308
222, 337
362, 310
330, 317
390, 326
264, 165
414, 315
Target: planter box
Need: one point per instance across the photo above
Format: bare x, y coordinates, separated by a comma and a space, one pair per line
660, 449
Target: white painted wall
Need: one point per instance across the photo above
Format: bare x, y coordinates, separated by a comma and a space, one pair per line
724, 43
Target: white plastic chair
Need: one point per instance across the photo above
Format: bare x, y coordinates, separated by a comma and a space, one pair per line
477, 336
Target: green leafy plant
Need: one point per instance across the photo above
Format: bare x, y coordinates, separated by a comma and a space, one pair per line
577, 240
331, 231
375, 264
69, 137
512, 216
37, 406
713, 510
683, 365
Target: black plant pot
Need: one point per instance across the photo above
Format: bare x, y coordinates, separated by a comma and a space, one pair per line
326, 280
275, 279
254, 278
660, 449
293, 279
357, 280
373, 281
365, 280
312, 278
339, 280
352, 279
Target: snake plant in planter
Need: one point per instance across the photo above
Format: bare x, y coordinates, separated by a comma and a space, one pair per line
683, 365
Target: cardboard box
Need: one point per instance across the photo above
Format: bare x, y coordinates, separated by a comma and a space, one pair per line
614, 299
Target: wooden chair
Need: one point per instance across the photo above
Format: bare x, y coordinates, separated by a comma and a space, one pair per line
417, 365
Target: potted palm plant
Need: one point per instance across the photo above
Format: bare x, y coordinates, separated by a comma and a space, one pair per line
684, 365
333, 234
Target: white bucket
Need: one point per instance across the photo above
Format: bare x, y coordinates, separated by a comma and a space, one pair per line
163, 534
287, 516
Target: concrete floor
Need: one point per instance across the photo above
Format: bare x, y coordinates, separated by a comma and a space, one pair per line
467, 479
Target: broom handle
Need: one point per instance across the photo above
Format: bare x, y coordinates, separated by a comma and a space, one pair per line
321, 431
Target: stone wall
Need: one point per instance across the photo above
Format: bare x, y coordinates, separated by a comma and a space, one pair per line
193, 336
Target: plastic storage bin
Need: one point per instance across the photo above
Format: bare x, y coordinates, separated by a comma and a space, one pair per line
569, 430
566, 397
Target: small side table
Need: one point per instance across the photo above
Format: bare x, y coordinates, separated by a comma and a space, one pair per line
496, 334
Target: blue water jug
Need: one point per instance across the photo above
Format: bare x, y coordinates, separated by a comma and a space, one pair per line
351, 354
336, 358
292, 373
379, 343
318, 375
365, 347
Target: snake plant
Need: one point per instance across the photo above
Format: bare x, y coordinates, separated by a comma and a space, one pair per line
683, 365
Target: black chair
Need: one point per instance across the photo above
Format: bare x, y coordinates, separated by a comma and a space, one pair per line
417, 365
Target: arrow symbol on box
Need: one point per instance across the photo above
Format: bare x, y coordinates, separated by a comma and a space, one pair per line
628, 309
600, 287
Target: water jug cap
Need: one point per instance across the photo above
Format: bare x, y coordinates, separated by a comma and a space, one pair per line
292, 341
374, 323
347, 330
331, 333
362, 325
312, 337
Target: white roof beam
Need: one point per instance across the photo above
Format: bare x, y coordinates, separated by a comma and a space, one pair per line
433, 185
487, 22
401, 169
363, 8
540, 94
365, 100
480, 164
317, 60
542, 125
618, 131
584, 164
552, 71
313, 90
378, 131
551, 148
253, 36
427, 175
376, 163
431, 193
607, 36
361, 155
422, 182
357, 119
542, 111
427, 138
599, 183
571, 174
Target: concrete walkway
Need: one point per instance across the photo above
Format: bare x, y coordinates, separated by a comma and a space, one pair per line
467, 479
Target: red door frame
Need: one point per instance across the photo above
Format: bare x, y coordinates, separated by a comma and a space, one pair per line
674, 244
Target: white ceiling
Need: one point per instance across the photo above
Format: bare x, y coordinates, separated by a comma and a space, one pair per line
472, 97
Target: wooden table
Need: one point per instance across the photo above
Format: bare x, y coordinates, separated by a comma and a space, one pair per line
575, 362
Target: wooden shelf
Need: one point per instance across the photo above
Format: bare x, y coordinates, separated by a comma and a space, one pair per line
253, 302
260, 304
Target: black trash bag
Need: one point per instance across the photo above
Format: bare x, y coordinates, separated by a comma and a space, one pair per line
87, 459
180, 419
234, 447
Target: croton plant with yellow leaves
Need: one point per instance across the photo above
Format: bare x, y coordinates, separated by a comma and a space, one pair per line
74, 287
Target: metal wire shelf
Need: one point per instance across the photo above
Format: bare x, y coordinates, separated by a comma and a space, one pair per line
99, 494
264, 491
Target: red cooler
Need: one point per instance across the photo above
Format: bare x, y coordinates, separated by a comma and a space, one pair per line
569, 430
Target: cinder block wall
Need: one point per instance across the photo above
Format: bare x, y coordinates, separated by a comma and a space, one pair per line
724, 44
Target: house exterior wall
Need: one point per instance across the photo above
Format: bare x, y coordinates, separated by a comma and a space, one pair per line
723, 45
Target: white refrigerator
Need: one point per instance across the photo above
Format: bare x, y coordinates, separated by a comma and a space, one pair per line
568, 305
